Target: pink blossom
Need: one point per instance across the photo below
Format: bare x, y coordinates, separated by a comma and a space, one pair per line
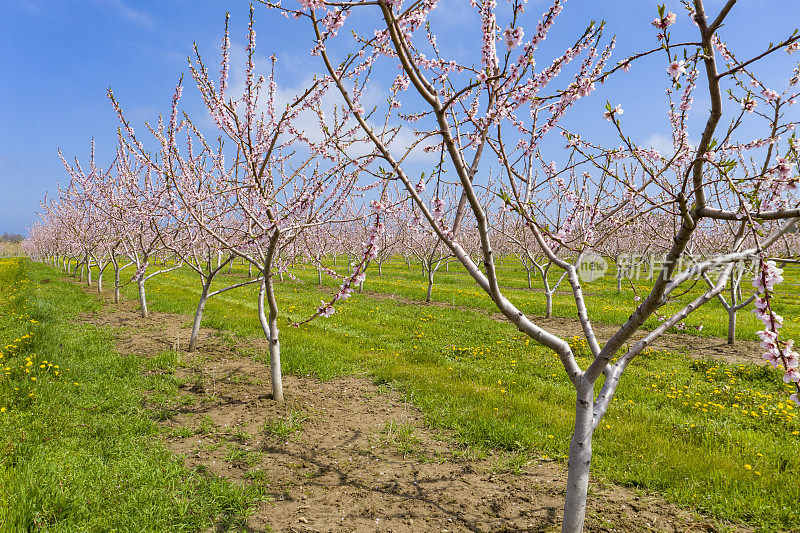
608, 114
676, 68
664, 23
312, 4
489, 30
783, 168
769, 95
513, 36
773, 357
771, 275
377, 206
573, 140
749, 105
792, 357
792, 48
401, 83
768, 337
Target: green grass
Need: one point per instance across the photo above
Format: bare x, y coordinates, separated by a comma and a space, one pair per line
284, 426
720, 438
78, 444
400, 436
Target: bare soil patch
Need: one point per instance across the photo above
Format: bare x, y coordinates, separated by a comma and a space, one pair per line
350, 455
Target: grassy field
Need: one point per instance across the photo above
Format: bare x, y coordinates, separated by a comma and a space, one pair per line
607, 306
76, 436
719, 438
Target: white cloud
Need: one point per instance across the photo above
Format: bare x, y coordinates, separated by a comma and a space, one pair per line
661, 143
308, 122
138, 16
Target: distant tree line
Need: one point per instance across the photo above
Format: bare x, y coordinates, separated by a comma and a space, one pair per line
12, 238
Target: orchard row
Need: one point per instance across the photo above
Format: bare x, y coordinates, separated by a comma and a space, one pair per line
328, 172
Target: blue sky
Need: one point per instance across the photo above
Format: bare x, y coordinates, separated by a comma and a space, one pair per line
58, 58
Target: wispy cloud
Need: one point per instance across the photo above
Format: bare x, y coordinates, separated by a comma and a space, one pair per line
661, 143
141, 17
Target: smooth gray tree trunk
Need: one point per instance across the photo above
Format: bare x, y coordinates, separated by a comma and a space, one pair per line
430, 285
116, 283
270, 327
548, 295
580, 459
198, 316
142, 299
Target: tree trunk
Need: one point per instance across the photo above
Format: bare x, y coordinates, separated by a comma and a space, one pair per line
249, 270
529, 279
732, 324
380, 268
198, 315
142, 299
116, 283
580, 458
319, 276
430, 285
270, 327
548, 296
619, 280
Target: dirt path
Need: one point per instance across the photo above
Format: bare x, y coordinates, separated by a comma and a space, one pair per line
347, 455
